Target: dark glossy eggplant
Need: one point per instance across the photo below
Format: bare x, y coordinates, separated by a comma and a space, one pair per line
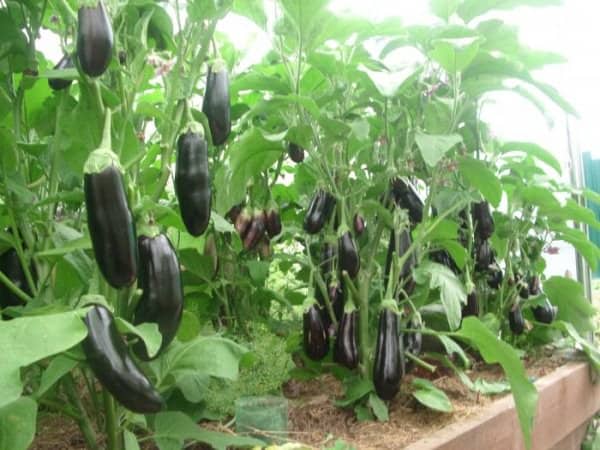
234, 212
515, 320
472, 306
58, 84
295, 152
494, 276
159, 278
412, 342
319, 211
216, 103
545, 313
345, 350
533, 285
192, 182
484, 255
273, 223
388, 366
109, 358
111, 226
483, 221
94, 39
349, 259
405, 241
405, 196
442, 256
328, 251
316, 338
242, 222
11, 267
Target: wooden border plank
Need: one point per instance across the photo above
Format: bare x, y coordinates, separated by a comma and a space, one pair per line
567, 399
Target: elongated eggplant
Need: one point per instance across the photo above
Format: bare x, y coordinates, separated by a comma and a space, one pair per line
515, 320
162, 290
472, 306
495, 276
545, 313
256, 231
533, 285
316, 338
328, 251
242, 222
405, 196
192, 181
94, 39
345, 350
319, 211
216, 103
111, 226
336, 295
349, 258
482, 220
442, 256
295, 152
58, 84
273, 223
387, 369
11, 267
211, 252
484, 255
109, 358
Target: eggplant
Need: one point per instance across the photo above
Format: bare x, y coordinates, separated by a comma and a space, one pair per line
192, 181
242, 223
472, 306
295, 152
545, 313
444, 258
319, 211
328, 251
484, 255
255, 231
11, 267
412, 342
345, 351
494, 276
388, 366
316, 338
273, 223
94, 39
482, 220
216, 103
108, 357
515, 320
533, 285
405, 196
359, 224
349, 259
58, 84
159, 278
405, 241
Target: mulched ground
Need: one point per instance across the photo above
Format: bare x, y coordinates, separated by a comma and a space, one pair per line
315, 421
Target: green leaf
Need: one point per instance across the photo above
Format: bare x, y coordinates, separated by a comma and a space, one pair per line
189, 327
147, 332
452, 292
172, 428
452, 348
482, 178
494, 350
588, 347
533, 150
443, 8
573, 306
379, 408
355, 390
455, 54
253, 10
17, 424
470, 9
26, 340
131, 442
433, 147
58, 367
429, 395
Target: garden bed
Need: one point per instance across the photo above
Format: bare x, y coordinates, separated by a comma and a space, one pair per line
567, 401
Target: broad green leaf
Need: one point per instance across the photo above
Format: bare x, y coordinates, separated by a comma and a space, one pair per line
452, 348
433, 147
455, 54
493, 350
17, 424
579, 240
131, 442
573, 306
220, 223
26, 340
147, 332
470, 9
482, 178
58, 367
256, 81
355, 390
533, 150
172, 428
587, 347
431, 396
443, 8
253, 10
379, 408
452, 292
189, 327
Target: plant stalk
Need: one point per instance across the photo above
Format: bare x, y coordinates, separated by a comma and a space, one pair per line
112, 426
82, 420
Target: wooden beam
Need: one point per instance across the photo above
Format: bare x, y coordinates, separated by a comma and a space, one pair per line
567, 401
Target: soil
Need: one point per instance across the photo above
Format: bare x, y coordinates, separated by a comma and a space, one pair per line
316, 422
